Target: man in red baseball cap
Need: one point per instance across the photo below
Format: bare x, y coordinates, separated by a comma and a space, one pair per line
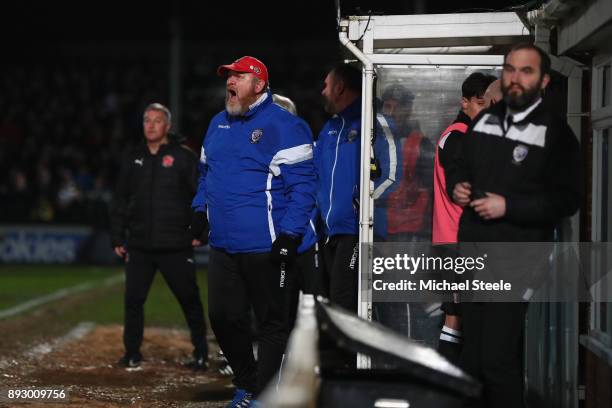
247, 80
256, 193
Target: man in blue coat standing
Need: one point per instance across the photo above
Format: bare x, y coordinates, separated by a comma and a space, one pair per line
338, 158
256, 192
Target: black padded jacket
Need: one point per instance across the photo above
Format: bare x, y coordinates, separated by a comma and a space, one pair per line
534, 164
151, 207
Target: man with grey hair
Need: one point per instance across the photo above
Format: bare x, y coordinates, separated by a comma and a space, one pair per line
150, 216
285, 103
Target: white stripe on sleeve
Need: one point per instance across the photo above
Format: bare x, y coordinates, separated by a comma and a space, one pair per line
292, 155
392, 157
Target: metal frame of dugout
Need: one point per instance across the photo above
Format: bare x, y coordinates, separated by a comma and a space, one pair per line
436, 41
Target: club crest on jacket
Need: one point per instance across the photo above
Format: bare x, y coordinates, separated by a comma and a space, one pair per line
519, 154
256, 135
167, 161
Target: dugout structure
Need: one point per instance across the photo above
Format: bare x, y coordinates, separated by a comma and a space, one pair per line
422, 59
430, 56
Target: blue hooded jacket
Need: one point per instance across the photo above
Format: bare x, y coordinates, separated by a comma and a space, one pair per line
257, 179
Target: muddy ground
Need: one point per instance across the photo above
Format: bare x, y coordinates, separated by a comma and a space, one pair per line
83, 363
52, 347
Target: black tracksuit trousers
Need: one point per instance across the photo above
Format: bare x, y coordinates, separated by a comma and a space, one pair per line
178, 269
237, 282
302, 277
492, 351
341, 273
339, 282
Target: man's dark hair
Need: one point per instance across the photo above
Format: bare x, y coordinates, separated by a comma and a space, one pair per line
544, 58
476, 84
349, 75
398, 92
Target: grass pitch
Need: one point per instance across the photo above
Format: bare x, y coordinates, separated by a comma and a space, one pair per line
99, 304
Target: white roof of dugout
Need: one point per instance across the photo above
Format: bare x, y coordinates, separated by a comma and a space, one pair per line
435, 38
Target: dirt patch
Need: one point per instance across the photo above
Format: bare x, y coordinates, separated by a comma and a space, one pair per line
48, 322
86, 369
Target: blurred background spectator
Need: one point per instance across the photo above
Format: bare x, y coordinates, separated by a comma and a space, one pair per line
63, 127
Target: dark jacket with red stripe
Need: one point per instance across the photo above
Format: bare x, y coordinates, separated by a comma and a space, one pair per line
151, 207
535, 165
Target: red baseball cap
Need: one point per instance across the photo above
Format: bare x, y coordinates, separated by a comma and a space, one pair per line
246, 64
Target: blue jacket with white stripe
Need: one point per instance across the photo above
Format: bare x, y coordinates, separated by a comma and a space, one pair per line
257, 179
337, 160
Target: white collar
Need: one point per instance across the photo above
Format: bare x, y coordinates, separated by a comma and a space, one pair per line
259, 101
518, 116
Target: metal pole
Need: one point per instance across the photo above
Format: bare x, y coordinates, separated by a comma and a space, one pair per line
365, 195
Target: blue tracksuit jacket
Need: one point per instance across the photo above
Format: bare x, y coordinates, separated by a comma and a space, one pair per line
337, 160
257, 178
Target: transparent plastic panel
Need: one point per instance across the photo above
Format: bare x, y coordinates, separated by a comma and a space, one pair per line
414, 105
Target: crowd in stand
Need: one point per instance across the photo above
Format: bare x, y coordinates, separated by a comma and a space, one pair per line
62, 130
64, 127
